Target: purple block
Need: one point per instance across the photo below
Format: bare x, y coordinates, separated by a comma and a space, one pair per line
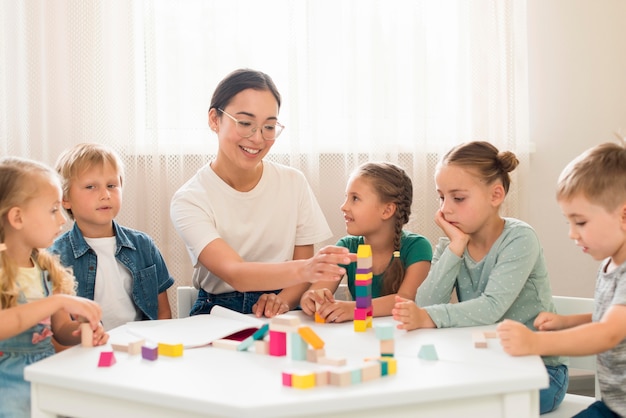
363, 301
150, 352
363, 271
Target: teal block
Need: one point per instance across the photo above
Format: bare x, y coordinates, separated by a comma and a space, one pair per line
362, 291
355, 376
245, 344
298, 347
384, 330
428, 352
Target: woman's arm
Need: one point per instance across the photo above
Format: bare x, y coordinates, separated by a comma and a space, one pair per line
223, 261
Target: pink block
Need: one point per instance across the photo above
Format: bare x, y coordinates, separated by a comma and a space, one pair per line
278, 343
286, 379
107, 359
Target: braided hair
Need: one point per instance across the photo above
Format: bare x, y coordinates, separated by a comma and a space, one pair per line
392, 185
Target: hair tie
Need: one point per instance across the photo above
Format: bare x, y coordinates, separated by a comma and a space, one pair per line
396, 254
3, 246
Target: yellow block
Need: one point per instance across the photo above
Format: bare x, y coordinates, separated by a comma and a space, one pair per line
303, 381
392, 364
170, 350
363, 277
364, 251
360, 325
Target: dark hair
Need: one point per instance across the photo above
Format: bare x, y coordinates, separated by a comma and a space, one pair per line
240, 80
392, 185
489, 163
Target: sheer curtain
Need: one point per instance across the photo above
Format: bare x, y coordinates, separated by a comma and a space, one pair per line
399, 80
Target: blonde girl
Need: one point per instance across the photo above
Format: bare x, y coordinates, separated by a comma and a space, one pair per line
36, 292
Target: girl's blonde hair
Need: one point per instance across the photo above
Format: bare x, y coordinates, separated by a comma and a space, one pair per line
392, 185
20, 181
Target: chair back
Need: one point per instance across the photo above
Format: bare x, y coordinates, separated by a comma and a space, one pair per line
185, 298
569, 305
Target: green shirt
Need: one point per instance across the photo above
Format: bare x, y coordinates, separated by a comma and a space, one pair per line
413, 248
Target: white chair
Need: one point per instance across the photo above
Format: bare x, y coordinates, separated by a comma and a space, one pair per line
572, 404
185, 298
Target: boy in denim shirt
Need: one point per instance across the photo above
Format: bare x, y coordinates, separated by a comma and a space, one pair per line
118, 267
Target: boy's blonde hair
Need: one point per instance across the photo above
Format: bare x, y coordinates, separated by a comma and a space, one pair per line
598, 174
20, 181
73, 162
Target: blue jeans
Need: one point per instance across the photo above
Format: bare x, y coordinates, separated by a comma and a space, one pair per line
598, 409
237, 301
551, 397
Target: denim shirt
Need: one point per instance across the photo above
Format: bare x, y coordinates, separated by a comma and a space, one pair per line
135, 250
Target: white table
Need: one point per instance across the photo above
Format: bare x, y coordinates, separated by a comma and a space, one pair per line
212, 382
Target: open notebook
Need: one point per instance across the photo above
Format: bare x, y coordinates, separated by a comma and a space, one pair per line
195, 331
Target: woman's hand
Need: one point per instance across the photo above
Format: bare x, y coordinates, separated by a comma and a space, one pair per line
270, 305
324, 265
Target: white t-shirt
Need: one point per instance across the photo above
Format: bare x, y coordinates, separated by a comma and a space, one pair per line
262, 225
113, 285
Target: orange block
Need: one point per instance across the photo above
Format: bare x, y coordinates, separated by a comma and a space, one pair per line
311, 337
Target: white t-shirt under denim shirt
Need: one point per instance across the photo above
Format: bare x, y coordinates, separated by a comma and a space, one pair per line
261, 225
113, 288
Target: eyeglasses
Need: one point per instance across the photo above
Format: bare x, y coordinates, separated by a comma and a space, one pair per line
247, 128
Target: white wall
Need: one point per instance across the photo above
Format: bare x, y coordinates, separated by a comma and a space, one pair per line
577, 77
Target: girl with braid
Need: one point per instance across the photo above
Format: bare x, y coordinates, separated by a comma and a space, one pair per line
495, 264
36, 292
377, 206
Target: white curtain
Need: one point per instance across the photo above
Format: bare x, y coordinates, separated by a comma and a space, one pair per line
395, 80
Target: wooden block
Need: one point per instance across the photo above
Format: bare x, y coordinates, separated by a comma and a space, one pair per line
428, 352
479, 339
313, 355
107, 359
287, 377
135, 347
150, 352
355, 376
245, 344
287, 329
261, 332
86, 335
286, 319
262, 347
311, 337
387, 347
364, 251
363, 279
303, 380
170, 350
332, 361
384, 330
227, 344
120, 347
319, 319
278, 343
340, 378
322, 378
298, 347
370, 371
490, 334
392, 364
360, 325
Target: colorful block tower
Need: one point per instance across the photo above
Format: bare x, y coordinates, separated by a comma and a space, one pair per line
363, 289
